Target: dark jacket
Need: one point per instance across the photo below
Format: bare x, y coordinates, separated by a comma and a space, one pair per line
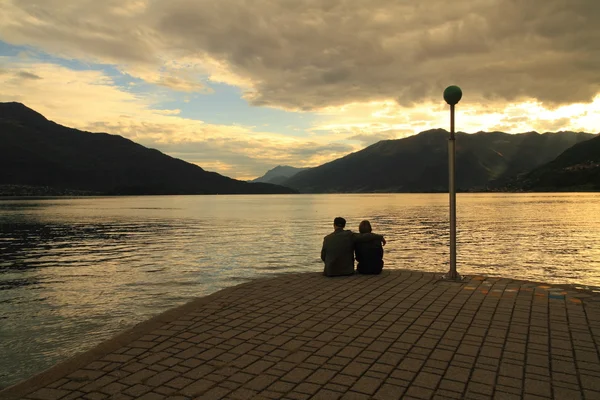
369, 256
338, 250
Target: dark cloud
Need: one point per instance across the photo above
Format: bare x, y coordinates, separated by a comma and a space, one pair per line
98, 30
308, 54
27, 75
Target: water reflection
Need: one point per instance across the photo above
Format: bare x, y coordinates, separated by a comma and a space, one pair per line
76, 271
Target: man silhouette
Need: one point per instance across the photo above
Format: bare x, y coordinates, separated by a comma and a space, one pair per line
338, 248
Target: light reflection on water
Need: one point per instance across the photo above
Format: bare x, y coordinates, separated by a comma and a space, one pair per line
74, 272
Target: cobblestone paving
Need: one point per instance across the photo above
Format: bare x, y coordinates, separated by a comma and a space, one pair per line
398, 335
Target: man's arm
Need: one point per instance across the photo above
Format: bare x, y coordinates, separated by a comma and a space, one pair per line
323, 251
367, 237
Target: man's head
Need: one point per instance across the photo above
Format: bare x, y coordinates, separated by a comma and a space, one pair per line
339, 222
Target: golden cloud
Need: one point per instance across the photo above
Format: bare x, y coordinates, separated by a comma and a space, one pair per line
309, 55
89, 100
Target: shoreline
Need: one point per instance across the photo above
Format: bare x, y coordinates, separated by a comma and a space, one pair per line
73, 363
73, 193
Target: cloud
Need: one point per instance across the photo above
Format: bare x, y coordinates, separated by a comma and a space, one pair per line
173, 75
90, 100
312, 54
247, 159
369, 139
388, 120
27, 75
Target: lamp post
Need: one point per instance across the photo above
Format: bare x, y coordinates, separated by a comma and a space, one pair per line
452, 95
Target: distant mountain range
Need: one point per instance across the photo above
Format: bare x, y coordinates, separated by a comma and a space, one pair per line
484, 161
39, 157
279, 174
577, 169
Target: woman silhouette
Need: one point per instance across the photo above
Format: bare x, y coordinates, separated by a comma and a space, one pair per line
368, 254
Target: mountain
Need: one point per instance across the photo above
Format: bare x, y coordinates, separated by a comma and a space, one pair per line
38, 153
484, 161
576, 169
279, 174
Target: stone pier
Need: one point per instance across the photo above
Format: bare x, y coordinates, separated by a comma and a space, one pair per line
402, 334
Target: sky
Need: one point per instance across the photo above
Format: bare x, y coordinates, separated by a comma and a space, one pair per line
241, 86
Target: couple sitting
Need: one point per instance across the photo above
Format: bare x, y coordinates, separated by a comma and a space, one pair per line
339, 247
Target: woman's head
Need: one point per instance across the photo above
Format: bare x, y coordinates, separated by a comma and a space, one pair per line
364, 227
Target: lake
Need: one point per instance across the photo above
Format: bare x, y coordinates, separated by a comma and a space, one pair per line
74, 272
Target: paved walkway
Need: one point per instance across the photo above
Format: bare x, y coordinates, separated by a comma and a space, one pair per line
398, 335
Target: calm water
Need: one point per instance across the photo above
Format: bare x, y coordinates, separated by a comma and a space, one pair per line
74, 272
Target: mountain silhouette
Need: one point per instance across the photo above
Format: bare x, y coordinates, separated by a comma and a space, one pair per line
36, 152
484, 161
576, 169
279, 174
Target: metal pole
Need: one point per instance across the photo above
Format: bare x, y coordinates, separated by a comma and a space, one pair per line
452, 190
452, 95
